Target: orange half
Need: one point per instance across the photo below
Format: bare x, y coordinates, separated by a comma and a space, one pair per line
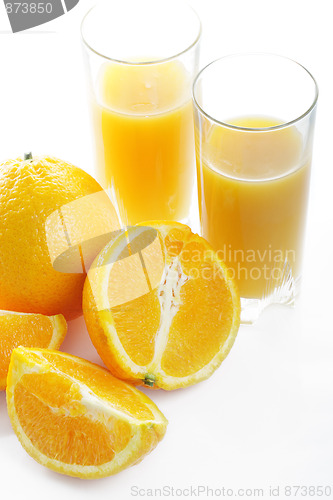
160, 307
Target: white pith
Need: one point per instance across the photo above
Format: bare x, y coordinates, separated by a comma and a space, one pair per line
4, 312
169, 298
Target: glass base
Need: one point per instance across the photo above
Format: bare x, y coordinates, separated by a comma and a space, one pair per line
283, 294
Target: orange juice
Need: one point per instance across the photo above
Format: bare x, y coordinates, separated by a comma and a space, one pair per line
253, 187
145, 141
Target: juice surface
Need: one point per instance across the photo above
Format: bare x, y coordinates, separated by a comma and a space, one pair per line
253, 189
145, 140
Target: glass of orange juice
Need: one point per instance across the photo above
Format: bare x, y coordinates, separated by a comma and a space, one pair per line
254, 124
142, 56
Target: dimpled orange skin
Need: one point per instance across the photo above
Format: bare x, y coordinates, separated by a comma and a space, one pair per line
30, 190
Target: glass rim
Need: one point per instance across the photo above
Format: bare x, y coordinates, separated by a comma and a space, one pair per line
254, 129
143, 63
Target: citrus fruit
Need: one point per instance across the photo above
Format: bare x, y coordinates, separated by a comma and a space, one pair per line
76, 418
50, 227
30, 330
159, 306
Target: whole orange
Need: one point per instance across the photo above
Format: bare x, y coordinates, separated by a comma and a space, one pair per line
47, 210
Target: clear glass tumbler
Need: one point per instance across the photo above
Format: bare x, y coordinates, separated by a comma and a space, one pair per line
254, 124
142, 57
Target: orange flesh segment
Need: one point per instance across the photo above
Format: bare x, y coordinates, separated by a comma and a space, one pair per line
80, 440
137, 320
137, 323
174, 242
110, 389
200, 327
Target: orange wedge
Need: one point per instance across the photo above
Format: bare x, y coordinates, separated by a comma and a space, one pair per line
160, 307
30, 330
75, 417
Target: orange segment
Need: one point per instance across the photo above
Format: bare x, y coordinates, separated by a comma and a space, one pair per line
174, 241
178, 328
121, 396
75, 417
30, 330
55, 434
136, 323
207, 304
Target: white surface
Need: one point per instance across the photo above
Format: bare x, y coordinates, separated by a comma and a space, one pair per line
265, 418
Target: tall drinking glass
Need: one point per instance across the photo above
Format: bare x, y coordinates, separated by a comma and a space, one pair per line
254, 124
142, 57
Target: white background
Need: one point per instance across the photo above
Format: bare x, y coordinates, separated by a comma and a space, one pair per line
265, 418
